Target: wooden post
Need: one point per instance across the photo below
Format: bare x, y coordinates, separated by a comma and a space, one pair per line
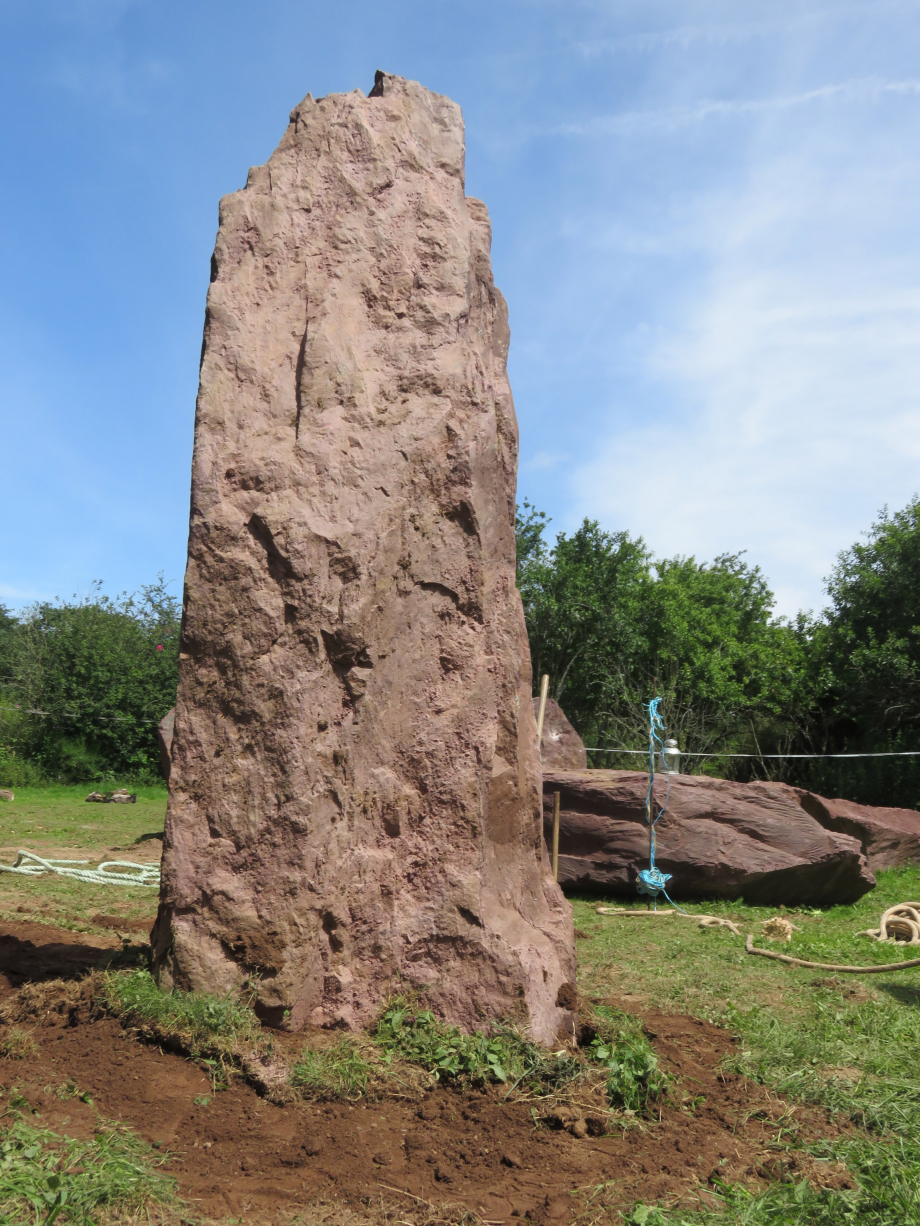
557, 797
544, 690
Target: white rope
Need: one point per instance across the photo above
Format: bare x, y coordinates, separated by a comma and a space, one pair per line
28, 864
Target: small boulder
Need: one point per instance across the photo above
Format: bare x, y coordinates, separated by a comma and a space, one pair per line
96, 798
6, 794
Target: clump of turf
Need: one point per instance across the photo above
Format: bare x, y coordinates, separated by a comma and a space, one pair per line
201, 1022
45, 1177
341, 1071
18, 1045
222, 1032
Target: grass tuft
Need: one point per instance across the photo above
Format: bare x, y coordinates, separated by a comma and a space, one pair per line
201, 1019
18, 1045
45, 1177
220, 1031
331, 1072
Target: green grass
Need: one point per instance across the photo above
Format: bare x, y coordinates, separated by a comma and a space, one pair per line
56, 820
341, 1071
846, 1043
216, 1030
45, 1177
418, 1037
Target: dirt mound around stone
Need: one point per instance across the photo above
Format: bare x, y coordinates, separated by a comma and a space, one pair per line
236, 1155
718, 839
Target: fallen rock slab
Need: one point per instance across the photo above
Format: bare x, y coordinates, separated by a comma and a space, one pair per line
717, 838
355, 781
890, 838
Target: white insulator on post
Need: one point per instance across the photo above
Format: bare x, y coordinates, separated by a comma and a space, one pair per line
670, 758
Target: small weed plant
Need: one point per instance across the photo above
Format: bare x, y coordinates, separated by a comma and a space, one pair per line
634, 1080
477, 1059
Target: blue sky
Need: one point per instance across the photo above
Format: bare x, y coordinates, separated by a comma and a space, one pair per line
704, 220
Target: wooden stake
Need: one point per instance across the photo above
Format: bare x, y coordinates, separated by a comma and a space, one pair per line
557, 797
544, 690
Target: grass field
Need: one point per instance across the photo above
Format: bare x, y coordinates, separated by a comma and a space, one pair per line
56, 822
845, 1042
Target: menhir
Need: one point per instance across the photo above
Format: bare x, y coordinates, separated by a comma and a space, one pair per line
355, 796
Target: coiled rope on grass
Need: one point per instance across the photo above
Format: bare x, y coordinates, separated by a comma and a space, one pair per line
126, 872
900, 924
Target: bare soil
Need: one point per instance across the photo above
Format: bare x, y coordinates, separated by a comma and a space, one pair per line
238, 1155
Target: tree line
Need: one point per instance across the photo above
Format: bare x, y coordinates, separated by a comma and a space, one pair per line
83, 683
613, 626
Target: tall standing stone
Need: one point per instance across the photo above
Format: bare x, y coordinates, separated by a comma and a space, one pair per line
355, 798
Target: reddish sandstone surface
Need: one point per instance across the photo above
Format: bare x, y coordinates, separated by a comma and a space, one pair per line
355, 782
889, 837
561, 749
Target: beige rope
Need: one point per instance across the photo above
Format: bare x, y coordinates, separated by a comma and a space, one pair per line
751, 948
705, 921
900, 923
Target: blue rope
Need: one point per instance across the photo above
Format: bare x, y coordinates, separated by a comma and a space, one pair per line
652, 881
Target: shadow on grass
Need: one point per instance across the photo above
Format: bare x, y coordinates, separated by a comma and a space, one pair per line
902, 992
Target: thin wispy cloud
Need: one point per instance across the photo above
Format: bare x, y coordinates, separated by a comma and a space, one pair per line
721, 34
794, 377
670, 119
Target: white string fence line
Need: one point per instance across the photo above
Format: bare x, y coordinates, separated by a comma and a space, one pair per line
110, 872
718, 753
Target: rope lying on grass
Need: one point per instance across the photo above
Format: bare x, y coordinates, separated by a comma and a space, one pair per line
706, 921
895, 921
28, 864
751, 948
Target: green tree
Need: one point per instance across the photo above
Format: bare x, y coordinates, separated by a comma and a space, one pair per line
872, 640
864, 657
613, 628
91, 680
